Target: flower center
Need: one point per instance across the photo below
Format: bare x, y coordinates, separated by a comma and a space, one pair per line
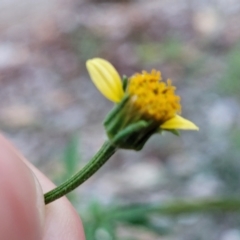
153, 98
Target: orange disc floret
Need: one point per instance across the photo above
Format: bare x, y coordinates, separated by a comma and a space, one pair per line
153, 98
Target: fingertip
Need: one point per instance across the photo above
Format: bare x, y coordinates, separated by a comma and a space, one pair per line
22, 206
61, 219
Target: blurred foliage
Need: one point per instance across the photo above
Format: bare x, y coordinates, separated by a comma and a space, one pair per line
85, 44
229, 83
152, 52
101, 222
70, 161
71, 156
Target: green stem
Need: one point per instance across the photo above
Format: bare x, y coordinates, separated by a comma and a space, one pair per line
106, 151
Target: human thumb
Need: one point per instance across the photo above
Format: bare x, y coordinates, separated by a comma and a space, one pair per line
21, 198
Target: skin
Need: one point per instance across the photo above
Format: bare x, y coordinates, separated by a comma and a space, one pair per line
23, 215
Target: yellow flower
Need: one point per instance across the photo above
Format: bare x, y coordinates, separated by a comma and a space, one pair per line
149, 97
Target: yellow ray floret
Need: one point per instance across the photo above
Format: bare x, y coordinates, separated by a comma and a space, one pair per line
178, 122
106, 79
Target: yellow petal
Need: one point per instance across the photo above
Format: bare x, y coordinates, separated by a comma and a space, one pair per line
106, 78
178, 122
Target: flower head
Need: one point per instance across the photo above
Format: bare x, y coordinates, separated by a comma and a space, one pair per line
153, 98
145, 98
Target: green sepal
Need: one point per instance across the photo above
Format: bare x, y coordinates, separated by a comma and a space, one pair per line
124, 82
160, 131
134, 136
126, 129
173, 131
114, 121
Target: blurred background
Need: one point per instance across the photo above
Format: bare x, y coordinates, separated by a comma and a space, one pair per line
52, 112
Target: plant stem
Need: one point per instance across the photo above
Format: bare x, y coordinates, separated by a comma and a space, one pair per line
105, 152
